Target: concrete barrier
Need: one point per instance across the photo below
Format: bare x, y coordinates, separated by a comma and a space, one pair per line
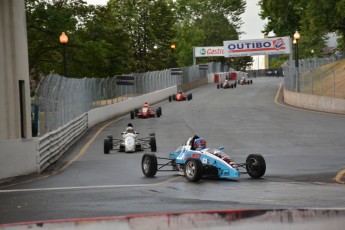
18, 157
314, 102
101, 114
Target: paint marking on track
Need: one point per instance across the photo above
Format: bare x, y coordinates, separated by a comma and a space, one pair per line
339, 176
88, 187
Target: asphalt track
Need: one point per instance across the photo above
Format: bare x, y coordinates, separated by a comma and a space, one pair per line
304, 153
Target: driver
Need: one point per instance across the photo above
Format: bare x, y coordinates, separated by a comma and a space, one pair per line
199, 143
129, 128
146, 105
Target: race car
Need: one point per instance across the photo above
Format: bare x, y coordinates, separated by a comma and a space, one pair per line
194, 163
180, 96
130, 143
146, 112
227, 84
244, 81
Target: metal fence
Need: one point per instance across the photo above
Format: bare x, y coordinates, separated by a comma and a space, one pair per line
317, 76
62, 99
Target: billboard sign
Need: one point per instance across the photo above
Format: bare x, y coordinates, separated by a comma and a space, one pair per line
210, 51
238, 48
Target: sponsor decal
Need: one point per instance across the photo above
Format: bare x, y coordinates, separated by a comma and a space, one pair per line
197, 156
226, 173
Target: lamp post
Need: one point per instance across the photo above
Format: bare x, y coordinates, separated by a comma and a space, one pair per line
296, 36
63, 41
172, 47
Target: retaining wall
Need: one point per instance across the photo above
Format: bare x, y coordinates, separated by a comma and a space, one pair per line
314, 102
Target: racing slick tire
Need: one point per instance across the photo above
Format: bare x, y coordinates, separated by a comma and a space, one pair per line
149, 165
136, 111
153, 144
110, 138
189, 97
170, 98
255, 165
132, 115
217, 86
106, 146
174, 97
251, 81
221, 86
158, 113
193, 170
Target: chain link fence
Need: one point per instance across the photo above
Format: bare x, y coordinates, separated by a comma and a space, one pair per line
317, 76
62, 99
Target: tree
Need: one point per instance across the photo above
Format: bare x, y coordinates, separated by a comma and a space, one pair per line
313, 18
206, 23
150, 27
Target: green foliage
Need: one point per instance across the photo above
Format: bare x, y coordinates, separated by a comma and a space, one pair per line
277, 63
126, 35
150, 26
207, 23
313, 18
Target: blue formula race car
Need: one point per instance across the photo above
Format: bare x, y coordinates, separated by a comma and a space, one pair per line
193, 160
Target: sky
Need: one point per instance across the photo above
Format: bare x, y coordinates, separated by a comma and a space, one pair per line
252, 26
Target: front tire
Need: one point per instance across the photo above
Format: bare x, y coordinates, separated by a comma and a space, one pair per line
153, 144
106, 146
132, 115
149, 165
193, 170
170, 98
255, 165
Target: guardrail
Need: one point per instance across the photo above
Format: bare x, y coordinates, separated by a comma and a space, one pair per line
52, 145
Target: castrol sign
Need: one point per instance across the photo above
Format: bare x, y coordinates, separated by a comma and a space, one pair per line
277, 45
211, 51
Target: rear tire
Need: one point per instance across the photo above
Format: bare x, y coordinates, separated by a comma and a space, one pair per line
132, 115
170, 98
158, 113
149, 165
217, 86
255, 165
174, 97
193, 170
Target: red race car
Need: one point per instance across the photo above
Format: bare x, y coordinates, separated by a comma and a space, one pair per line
180, 97
146, 112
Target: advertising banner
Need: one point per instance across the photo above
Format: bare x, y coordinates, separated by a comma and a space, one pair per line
211, 51
237, 48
